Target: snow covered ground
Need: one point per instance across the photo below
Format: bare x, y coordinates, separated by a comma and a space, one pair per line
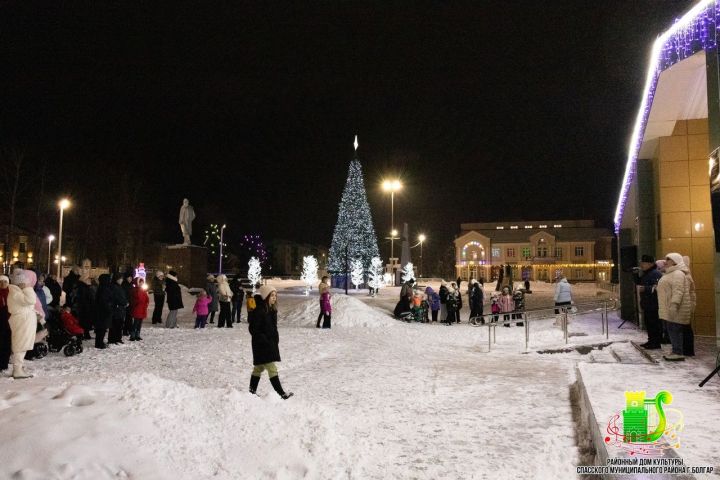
374, 398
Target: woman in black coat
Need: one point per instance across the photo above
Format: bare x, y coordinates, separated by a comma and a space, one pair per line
265, 340
174, 299
103, 309
476, 300
120, 301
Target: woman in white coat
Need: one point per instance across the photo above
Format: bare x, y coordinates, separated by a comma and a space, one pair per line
23, 318
676, 302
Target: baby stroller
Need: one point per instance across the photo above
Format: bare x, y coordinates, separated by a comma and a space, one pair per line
519, 299
60, 339
40, 348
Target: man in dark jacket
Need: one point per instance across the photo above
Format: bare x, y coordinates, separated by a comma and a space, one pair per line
55, 290
476, 295
174, 299
158, 288
127, 288
265, 340
647, 286
82, 306
103, 307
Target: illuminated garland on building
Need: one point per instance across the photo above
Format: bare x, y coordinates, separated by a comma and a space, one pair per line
694, 32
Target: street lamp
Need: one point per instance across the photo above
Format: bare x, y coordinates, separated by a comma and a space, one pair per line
50, 240
222, 230
392, 186
63, 204
421, 237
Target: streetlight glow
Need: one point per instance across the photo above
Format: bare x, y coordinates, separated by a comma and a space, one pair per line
394, 233
421, 238
392, 186
64, 203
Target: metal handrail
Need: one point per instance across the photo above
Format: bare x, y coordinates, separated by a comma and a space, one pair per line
492, 320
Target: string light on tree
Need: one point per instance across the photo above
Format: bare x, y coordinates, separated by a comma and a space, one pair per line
357, 272
354, 229
309, 274
254, 272
375, 274
408, 272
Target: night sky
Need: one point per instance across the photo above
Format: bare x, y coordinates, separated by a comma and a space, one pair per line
485, 110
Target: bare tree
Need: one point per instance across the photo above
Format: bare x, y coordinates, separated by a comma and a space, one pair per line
15, 182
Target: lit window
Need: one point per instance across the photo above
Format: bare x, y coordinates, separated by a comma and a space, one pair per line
543, 226
528, 226
500, 228
513, 227
557, 225
496, 252
542, 251
526, 252
558, 252
510, 252
579, 251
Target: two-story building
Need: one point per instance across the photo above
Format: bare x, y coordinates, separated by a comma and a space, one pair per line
535, 250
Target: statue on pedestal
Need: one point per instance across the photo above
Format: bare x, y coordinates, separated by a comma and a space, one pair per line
187, 215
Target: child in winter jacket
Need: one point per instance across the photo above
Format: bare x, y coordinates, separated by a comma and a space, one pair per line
507, 305
201, 309
495, 307
433, 302
70, 323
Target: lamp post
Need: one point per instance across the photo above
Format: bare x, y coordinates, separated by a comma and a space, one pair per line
63, 204
421, 237
222, 230
50, 240
392, 186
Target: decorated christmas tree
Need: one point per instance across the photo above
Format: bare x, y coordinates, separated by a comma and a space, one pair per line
408, 272
375, 274
254, 272
354, 235
309, 273
357, 273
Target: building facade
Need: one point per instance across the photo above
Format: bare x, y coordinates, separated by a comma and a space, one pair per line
535, 250
668, 200
287, 257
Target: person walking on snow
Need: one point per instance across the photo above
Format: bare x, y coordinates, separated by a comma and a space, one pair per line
211, 289
174, 299
24, 311
201, 309
323, 287
434, 302
507, 305
563, 298
326, 307
476, 298
265, 340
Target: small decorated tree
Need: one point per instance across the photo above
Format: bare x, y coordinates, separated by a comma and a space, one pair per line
408, 272
375, 275
254, 272
309, 273
388, 278
357, 272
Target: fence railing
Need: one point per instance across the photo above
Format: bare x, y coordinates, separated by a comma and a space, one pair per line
492, 320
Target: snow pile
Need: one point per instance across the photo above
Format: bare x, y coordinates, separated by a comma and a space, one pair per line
347, 312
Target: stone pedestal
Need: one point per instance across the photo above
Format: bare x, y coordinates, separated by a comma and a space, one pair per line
189, 261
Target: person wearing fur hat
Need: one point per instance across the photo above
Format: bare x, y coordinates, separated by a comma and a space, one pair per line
265, 340
224, 295
211, 290
174, 299
21, 302
5, 332
676, 302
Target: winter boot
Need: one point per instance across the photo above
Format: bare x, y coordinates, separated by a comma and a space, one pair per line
254, 381
19, 373
278, 388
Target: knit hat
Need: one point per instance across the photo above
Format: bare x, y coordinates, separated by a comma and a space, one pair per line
211, 277
266, 290
647, 259
675, 257
4, 278
20, 277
